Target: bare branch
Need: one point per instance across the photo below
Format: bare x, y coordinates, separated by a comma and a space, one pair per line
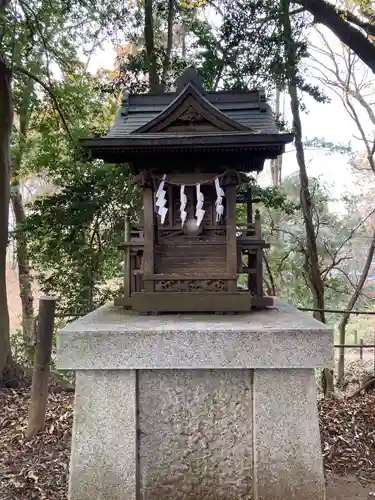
270, 275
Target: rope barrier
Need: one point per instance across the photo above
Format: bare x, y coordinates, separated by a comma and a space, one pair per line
206, 182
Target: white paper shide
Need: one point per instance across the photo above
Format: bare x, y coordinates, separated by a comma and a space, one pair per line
161, 201
219, 200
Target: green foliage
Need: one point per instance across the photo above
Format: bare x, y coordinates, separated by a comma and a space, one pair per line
74, 236
330, 147
272, 197
19, 349
75, 218
241, 49
75, 223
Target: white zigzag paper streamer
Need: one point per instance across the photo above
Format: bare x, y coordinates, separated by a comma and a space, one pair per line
219, 200
199, 212
183, 203
161, 201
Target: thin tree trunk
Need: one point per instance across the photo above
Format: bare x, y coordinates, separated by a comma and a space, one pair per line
150, 46
168, 50
24, 276
353, 299
271, 285
312, 261
183, 44
6, 117
277, 162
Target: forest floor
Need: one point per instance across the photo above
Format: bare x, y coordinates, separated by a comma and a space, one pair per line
38, 469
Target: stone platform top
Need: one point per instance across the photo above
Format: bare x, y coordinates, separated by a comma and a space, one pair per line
112, 338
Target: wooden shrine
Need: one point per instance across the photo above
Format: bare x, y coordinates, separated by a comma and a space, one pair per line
190, 152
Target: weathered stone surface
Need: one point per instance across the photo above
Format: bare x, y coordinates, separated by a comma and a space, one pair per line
226, 405
111, 338
195, 434
103, 458
288, 460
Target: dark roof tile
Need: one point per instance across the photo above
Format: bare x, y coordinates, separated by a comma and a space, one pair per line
248, 108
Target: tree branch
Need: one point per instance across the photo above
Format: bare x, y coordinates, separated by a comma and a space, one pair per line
369, 27
327, 14
51, 93
270, 275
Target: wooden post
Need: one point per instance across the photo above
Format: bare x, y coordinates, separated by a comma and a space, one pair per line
230, 194
361, 350
259, 256
127, 264
149, 237
39, 386
249, 207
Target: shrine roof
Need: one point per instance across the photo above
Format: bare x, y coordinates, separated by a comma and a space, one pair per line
190, 119
248, 108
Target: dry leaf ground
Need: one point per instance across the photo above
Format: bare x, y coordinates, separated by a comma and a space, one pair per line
38, 469
35, 469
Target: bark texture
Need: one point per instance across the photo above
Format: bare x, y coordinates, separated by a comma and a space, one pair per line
24, 275
338, 22
6, 120
150, 46
312, 267
168, 50
39, 387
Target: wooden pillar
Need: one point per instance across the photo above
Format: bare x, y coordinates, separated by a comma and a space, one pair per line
41, 370
230, 195
259, 256
249, 271
149, 236
249, 206
127, 260
249, 221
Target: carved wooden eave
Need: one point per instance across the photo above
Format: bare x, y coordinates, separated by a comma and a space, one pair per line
190, 107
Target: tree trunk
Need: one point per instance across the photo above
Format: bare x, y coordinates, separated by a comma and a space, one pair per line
168, 50
276, 164
24, 276
315, 280
345, 317
150, 46
327, 14
6, 116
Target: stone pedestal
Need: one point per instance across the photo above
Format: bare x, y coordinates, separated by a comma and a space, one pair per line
196, 407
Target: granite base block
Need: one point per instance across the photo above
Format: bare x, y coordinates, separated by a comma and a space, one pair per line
288, 460
103, 456
202, 434
195, 434
192, 408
